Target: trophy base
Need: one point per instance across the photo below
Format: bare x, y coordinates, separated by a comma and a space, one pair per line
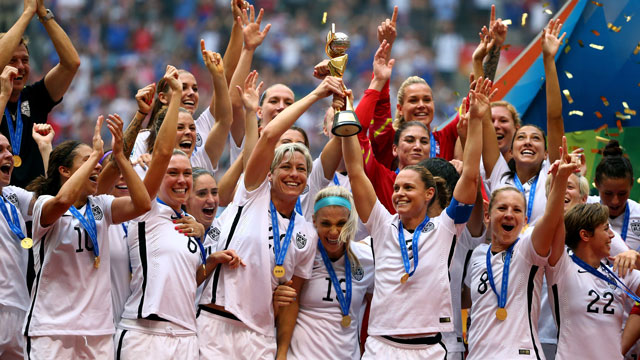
345, 123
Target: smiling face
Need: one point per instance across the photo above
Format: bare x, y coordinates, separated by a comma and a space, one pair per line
276, 98
20, 61
412, 147
572, 196
410, 195
329, 222
289, 177
203, 201
82, 153
505, 127
506, 218
6, 161
417, 104
177, 182
186, 135
120, 189
600, 240
529, 146
190, 95
614, 193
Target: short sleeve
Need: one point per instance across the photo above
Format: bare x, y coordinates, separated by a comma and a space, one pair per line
38, 230
201, 159
378, 218
105, 202
529, 252
315, 183
243, 196
140, 145
556, 273
499, 169
21, 198
234, 150
304, 265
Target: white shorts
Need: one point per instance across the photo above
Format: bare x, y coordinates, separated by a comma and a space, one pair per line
225, 338
11, 339
378, 347
156, 340
69, 347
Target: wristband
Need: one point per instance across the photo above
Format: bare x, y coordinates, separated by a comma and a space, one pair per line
105, 156
145, 114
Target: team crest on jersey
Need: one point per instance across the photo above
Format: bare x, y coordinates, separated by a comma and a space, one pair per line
612, 283
430, 226
357, 272
25, 109
635, 227
13, 198
214, 234
198, 140
306, 189
301, 240
97, 212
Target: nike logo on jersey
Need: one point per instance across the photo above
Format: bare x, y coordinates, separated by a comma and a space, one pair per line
582, 271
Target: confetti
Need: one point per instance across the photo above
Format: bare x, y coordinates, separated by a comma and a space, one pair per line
595, 32
599, 116
576, 112
580, 43
568, 96
614, 28
506, 47
604, 126
596, 3
630, 112
624, 103
604, 100
597, 47
602, 139
524, 18
568, 48
638, 180
628, 18
637, 49
544, 5
614, 134
506, 21
619, 125
622, 117
549, 12
456, 94
569, 75
324, 18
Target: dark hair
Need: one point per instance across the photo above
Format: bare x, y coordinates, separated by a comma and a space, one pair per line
442, 168
614, 164
304, 134
430, 181
153, 132
583, 217
62, 155
196, 172
161, 87
404, 126
512, 162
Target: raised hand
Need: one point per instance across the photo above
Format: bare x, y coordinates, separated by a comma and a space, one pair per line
497, 29
173, 79
253, 37
144, 98
550, 40
30, 7
6, 80
382, 65
321, 70
251, 94
98, 144
115, 124
484, 46
212, 60
330, 85
236, 9
480, 95
42, 134
463, 122
387, 29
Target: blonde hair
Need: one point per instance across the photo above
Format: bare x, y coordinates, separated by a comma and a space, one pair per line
514, 113
282, 150
348, 232
583, 185
497, 192
411, 80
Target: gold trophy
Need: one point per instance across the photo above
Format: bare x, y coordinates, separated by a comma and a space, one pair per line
345, 122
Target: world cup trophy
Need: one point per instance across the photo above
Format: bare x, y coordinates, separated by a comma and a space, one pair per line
345, 122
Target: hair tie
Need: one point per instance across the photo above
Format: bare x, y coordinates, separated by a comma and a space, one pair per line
105, 156
331, 201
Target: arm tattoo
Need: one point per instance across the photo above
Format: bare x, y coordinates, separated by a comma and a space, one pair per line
490, 66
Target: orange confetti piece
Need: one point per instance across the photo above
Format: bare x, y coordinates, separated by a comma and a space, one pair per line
594, 151
614, 28
614, 134
576, 112
622, 117
619, 125
637, 49
604, 100
599, 116
597, 47
596, 3
568, 96
580, 43
568, 48
604, 126
506, 47
595, 32
630, 112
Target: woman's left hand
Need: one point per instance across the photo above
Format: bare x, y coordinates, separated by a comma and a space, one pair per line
188, 226
624, 262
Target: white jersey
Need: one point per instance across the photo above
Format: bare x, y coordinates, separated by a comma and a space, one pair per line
487, 334
210, 243
13, 258
245, 227
633, 230
164, 264
120, 269
315, 182
318, 333
587, 308
464, 249
423, 303
69, 295
499, 179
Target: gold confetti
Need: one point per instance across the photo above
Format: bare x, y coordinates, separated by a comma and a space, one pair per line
544, 5
637, 49
630, 112
614, 28
524, 18
599, 116
597, 47
619, 125
596, 3
549, 12
506, 21
595, 32
604, 100
628, 18
324, 18
576, 112
625, 105
457, 94
580, 43
604, 126
568, 96
602, 139
638, 180
568, 48
622, 117
569, 75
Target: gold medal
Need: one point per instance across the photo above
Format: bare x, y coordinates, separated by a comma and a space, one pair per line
404, 278
17, 161
26, 243
96, 262
524, 228
204, 270
501, 314
346, 321
278, 271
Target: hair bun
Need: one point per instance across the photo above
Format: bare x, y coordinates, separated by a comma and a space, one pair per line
612, 149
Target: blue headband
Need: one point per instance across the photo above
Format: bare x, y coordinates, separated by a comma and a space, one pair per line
331, 201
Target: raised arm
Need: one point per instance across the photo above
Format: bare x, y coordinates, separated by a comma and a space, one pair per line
555, 125
484, 47
43, 136
232, 54
250, 96
498, 34
6, 87
217, 138
59, 78
69, 193
262, 155
166, 139
480, 95
364, 195
490, 147
11, 39
253, 37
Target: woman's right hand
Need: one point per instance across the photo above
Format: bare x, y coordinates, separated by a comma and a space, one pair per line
6, 80
284, 294
98, 144
330, 85
173, 79
144, 98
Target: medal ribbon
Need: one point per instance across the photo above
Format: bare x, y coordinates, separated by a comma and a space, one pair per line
281, 252
616, 282
625, 222
414, 245
502, 297
298, 206
345, 302
88, 223
432, 144
180, 214
532, 194
14, 224
15, 136
336, 182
